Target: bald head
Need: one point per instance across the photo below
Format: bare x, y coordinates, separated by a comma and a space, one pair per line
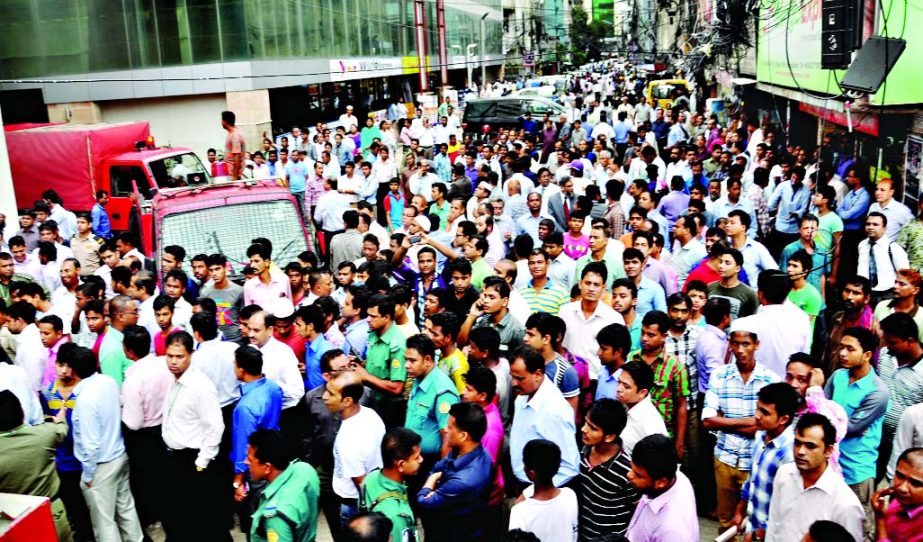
369, 527
259, 328
913, 457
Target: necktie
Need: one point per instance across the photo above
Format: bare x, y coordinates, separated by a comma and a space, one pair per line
566, 209
873, 266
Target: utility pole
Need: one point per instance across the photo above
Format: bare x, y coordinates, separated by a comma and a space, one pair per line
441, 37
483, 49
419, 22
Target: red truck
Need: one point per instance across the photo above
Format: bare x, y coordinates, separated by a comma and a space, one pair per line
165, 195
79, 159
223, 219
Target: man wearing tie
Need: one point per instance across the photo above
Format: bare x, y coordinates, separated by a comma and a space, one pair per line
560, 205
879, 257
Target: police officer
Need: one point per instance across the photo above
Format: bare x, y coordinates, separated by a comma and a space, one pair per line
383, 371
431, 396
287, 510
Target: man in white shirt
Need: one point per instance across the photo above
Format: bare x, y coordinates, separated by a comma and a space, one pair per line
421, 182
192, 429
329, 212
215, 358
634, 385
809, 490
584, 318
281, 366
99, 447
896, 212
15, 379
347, 119
30, 353
66, 220
783, 328
357, 447
880, 257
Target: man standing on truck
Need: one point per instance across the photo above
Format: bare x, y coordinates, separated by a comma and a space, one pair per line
234, 145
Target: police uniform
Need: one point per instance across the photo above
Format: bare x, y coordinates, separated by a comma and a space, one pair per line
382, 494
428, 408
287, 511
384, 358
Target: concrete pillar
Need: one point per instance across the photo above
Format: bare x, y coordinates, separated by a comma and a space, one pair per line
75, 112
253, 115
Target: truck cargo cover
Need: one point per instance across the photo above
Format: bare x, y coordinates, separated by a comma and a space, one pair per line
68, 158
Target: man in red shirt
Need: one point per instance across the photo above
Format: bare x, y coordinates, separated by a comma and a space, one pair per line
707, 271
285, 332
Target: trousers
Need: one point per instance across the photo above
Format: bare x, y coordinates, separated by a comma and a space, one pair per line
111, 505
729, 480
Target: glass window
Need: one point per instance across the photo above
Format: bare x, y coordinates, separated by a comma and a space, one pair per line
121, 178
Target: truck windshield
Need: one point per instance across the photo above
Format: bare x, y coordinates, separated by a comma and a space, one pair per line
228, 230
178, 171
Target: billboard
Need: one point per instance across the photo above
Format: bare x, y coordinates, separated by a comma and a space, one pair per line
789, 49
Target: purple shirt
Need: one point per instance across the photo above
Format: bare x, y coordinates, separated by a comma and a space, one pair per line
492, 442
903, 524
670, 517
672, 205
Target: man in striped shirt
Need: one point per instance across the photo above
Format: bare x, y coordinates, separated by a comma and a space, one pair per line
543, 294
543, 333
607, 498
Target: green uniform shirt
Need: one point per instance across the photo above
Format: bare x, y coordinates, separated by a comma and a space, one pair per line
287, 511
5, 288
428, 408
28, 466
384, 495
384, 357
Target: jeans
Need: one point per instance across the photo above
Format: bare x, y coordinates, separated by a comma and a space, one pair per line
348, 509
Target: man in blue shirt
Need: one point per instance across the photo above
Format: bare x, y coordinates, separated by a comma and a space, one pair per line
541, 413
454, 498
296, 173
789, 201
853, 210
259, 408
309, 323
99, 447
101, 224
864, 396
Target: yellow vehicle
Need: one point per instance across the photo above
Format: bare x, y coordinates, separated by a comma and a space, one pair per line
662, 90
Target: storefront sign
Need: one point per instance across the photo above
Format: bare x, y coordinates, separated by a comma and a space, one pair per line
795, 27
364, 68
867, 123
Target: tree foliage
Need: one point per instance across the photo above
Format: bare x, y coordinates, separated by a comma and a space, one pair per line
586, 36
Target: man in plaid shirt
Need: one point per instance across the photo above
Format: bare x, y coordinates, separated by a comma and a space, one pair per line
772, 447
671, 380
730, 406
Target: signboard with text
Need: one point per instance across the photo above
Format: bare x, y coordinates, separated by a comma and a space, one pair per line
790, 48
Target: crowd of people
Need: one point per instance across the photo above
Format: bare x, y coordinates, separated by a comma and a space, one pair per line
594, 327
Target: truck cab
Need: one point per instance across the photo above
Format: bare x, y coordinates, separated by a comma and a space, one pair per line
152, 170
